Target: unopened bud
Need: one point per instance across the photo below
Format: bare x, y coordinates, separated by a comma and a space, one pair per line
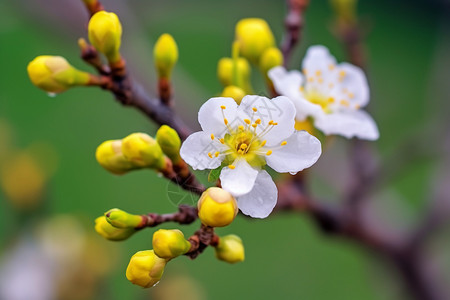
170, 142
225, 73
142, 150
271, 58
217, 207
54, 74
121, 219
145, 268
345, 9
254, 37
105, 33
165, 54
230, 249
170, 243
109, 155
110, 232
234, 92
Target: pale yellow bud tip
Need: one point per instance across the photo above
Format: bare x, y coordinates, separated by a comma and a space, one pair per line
233, 92
271, 58
230, 249
54, 74
121, 219
217, 207
165, 54
254, 37
145, 268
110, 232
170, 142
109, 155
170, 243
142, 150
105, 33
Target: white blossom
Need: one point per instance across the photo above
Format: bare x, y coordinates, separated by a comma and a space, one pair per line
331, 94
243, 139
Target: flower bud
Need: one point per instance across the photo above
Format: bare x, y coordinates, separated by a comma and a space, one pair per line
142, 150
110, 232
230, 249
254, 37
271, 58
170, 142
109, 155
165, 54
105, 32
217, 207
54, 74
345, 9
145, 268
121, 219
225, 73
170, 243
234, 92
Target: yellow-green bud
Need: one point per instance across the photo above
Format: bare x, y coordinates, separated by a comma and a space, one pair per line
225, 73
110, 232
105, 33
230, 249
54, 74
345, 9
170, 142
217, 207
271, 58
234, 92
142, 150
109, 155
254, 37
145, 268
170, 243
165, 54
121, 219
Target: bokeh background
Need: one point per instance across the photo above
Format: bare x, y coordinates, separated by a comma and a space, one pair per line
51, 141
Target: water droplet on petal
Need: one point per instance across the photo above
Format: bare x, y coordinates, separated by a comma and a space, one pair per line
52, 95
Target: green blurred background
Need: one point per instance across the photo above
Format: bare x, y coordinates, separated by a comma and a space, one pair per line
287, 257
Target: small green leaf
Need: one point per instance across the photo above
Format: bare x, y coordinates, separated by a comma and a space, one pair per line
214, 174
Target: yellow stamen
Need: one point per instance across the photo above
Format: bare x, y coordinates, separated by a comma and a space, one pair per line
274, 124
241, 127
351, 95
222, 106
254, 125
271, 122
258, 121
244, 146
216, 154
342, 73
318, 73
283, 143
263, 143
331, 100
222, 141
331, 67
209, 154
345, 103
302, 89
269, 152
225, 121
311, 79
212, 136
247, 121
241, 152
254, 109
231, 167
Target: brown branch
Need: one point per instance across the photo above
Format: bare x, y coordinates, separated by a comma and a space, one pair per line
186, 215
93, 6
293, 24
201, 239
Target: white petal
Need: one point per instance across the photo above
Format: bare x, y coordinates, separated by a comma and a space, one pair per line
195, 149
210, 115
349, 124
281, 110
261, 200
301, 151
318, 58
353, 87
286, 83
306, 109
238, 181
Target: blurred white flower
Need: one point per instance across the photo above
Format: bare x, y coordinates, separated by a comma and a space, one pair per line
243, 139
332, 94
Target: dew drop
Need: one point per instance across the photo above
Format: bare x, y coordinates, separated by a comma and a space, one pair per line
52, 95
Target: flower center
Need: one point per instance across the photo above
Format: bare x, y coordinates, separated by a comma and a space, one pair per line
320, 99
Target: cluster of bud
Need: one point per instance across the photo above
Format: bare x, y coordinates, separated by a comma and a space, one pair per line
230, 249
109, 232
145, 268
